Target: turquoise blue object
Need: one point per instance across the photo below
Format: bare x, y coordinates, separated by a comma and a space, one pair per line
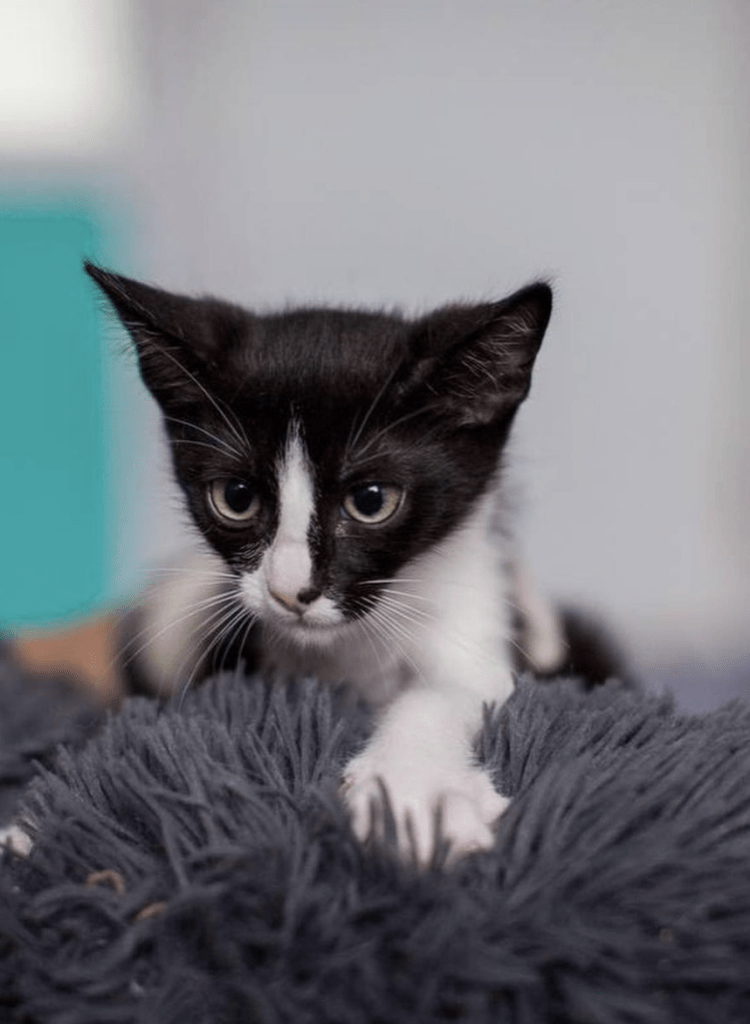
55, 548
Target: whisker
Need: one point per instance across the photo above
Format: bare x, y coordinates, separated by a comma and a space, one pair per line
367, 628
390, 426
352, 441
189, 653
418, 616
385, 579
195, 609
515, 643
230, 631
389, 579
423, 597
252, 618
220, 441
410, 594
376, 628
422, 617
225, 617
396, 623
224, 627
394, 634
211, 574
239, 434
197, 444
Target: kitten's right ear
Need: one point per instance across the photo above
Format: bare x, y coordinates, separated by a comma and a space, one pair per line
173, 334
476, 361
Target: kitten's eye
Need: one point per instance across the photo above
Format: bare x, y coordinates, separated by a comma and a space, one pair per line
233, 501
372, 503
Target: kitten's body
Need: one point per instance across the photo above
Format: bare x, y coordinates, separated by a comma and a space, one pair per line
344, 469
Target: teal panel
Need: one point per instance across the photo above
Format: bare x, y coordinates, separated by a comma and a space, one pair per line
54, 543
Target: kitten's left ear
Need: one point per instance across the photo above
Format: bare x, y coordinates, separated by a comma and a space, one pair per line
175, 336
149, 312
477, 360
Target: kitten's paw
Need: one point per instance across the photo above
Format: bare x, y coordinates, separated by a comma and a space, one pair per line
15, 839
462, 803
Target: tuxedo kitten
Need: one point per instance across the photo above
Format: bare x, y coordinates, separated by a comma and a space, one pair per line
343, 468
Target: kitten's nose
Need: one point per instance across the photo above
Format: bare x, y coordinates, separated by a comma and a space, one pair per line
295, 602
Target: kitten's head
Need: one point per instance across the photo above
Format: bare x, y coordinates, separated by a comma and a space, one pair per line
323, 450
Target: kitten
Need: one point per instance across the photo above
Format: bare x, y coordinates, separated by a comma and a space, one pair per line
343, 468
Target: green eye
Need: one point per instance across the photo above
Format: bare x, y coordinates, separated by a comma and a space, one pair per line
372, 503
233, 501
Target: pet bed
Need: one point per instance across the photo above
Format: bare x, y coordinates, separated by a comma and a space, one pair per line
192, 863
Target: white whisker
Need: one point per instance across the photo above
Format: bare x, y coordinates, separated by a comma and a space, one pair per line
352, 441
232, 630
421, 617
413, 616
238, 431
395, 602
252, 619
380, 434
395, 634
220, 441
226, 617
195, 609
411, 595
379, 632
195, 444
178, 570
367, 629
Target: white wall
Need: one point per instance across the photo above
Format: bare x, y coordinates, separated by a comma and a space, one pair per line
420, 151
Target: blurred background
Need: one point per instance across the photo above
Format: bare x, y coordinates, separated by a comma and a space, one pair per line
404, 153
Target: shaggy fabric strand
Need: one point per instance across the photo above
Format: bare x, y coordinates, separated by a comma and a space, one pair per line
194, 864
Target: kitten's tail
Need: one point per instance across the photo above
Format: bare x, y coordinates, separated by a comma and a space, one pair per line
588, 651
551, 641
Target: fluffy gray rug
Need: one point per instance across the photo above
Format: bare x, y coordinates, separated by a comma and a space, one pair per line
193, 864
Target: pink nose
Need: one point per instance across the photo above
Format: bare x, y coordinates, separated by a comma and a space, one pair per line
288, 601
295, 602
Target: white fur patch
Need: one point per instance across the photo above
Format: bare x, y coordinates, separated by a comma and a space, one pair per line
286, 568
456, 589
289, 563
16, 840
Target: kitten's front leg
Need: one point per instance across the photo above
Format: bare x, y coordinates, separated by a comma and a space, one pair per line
421, 754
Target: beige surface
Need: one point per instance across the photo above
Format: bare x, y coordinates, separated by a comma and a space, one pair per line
85, 650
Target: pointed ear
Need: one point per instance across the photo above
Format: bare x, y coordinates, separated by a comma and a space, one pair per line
174, 335
476, 361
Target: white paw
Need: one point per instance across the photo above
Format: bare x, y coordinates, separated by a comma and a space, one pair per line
463, 800
15, 839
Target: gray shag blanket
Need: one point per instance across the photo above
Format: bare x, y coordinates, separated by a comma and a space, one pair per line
192, 863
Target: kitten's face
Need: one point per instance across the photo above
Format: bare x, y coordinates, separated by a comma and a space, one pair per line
322, 451
319, 483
